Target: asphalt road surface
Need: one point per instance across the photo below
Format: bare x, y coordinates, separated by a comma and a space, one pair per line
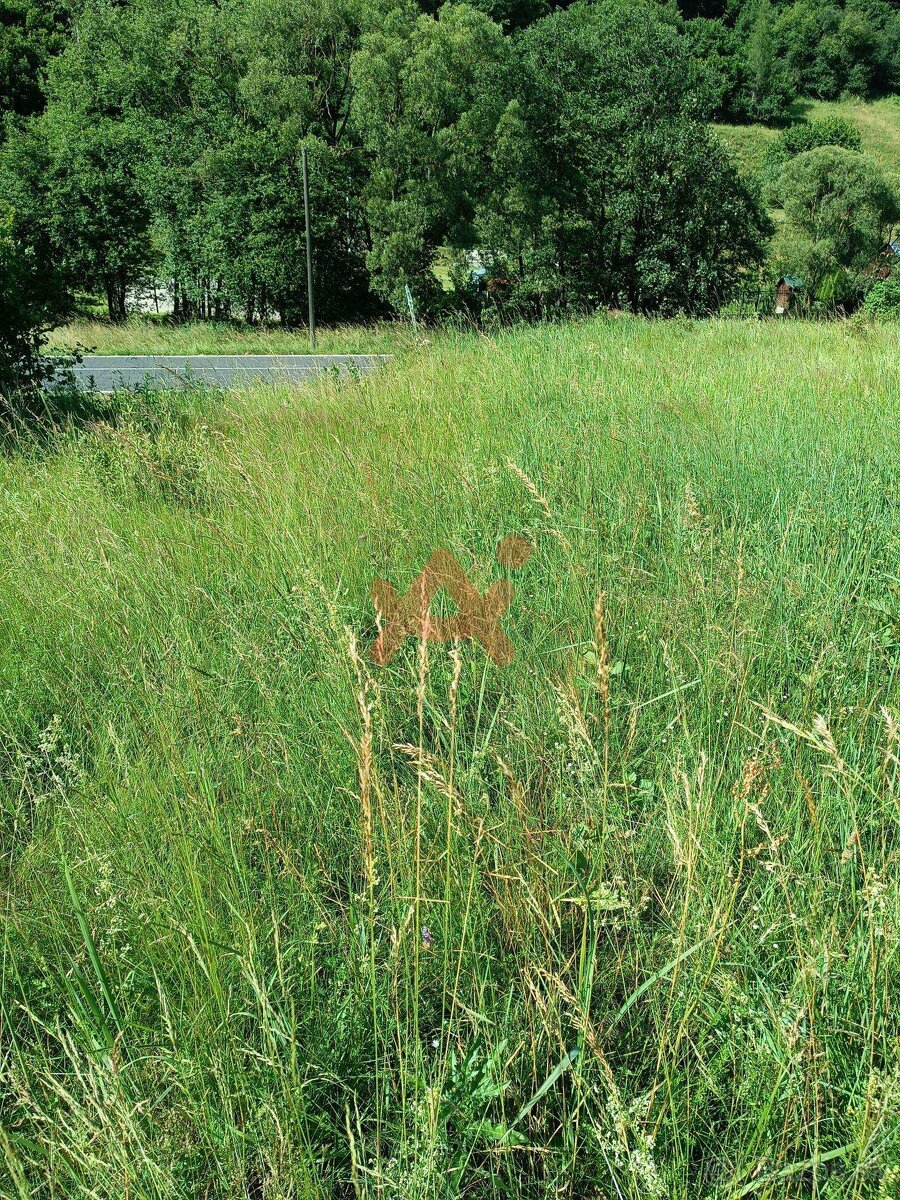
109, 373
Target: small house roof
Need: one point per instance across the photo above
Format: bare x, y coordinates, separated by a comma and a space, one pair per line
894, 247
793, 281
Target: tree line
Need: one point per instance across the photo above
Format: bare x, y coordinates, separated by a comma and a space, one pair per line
560, 153
755, 57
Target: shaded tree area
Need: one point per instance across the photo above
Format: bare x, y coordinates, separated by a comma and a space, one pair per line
829, 48
32, 32
561, 149
607, 188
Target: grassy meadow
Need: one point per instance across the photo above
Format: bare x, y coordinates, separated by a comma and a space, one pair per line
147, 335
878, 122
620, 920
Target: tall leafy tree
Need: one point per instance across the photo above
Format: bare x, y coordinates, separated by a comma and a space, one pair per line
99, 217
86, 194
761, 56
289, 87
719, 68
429, 94
607, 189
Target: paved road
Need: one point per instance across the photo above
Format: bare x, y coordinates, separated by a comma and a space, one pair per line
108, 373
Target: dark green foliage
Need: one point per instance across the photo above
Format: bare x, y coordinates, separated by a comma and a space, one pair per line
171, 146
510, 14
831, 47
765, 95
98, 216
30, 301
754, 57
31, 33
738, 65
808, 135
32, 292
77, 170
608, 190
719, 71
883, 298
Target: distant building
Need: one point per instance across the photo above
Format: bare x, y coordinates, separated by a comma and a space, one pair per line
786, 286
483, 277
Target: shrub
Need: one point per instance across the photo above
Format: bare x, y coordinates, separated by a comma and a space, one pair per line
808, 135
29, 304
838, 210
883, 299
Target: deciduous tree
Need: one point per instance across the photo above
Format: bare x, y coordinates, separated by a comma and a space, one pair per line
838, 209
607, 188
430, 92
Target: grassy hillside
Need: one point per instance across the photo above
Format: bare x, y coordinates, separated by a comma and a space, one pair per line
618, 920
748, 144
878, 123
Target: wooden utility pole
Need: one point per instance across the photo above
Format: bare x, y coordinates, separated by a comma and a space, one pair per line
309, 269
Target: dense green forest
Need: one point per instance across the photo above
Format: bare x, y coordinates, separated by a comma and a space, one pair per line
559, 156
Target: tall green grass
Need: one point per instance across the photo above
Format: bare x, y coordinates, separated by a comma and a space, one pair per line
148, 335
619, 920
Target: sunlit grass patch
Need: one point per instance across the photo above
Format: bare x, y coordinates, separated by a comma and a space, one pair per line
620, 919
146, 335
878, 122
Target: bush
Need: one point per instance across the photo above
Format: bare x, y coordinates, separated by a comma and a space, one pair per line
883, 299
30, 302
808, 135
838, 210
